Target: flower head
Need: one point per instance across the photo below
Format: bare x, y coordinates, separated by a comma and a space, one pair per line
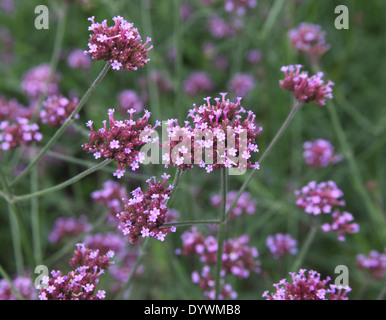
316, 198
281, 244
341, 224
68, 226
374, 263
23, 284
245, 203
305, 88
120, 141
307, 285
240, 7
120, 44
198, 82
241, 83
144, 214
56, 109
320, 153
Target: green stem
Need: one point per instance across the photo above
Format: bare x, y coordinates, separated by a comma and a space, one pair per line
178, 51
192, 222
221, 231
59, 132
305, 248
63, 184
35, 225
285, 124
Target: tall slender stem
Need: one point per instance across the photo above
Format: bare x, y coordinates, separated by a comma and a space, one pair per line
305, 248
63, 184
285, 124
221, 230
59, 132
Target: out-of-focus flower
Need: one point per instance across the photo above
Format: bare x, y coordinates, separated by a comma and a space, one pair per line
307, 285
129, 99
320, 153
18, 133
240, 84
35, 81
11, 109
22, 284
253, 56
198, 82
309, 39
305, 88
316, 198
120, 44
121, 140
239, 7
78, 60
374, 263
144, 214
220, 29
341, 224
281, 245
207, 283
245, 204
57, 109
68, 227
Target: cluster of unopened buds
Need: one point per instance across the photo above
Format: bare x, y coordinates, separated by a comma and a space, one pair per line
144, 214
81, 282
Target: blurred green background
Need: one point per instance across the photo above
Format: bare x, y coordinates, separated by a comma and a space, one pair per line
355, 63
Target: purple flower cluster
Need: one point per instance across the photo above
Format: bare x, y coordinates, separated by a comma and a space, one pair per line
341, 224
144, 214
324, 197
120, 44
219, 129
320, 153
18, 133
56, 109
240, 84
68, 227
80, 283
35, 81
245, 203
120, 141
219, 28
22, 284
374, 263
12, 109
78, 60
238, 259
198, 82
208, 285
129, 99
309, 39
307, 285
305, 88
281, 245
240, 7
316, 198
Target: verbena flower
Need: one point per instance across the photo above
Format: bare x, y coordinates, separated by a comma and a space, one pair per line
341, 224
81, 282
307, 285
68, 227
228, 140
238, 259
305, 88
120, 44
129, 99
309, 39
35, 81
56, 109
239, 7
11, 109
144, 213
374, 263
76, 59
245, 203
207, 283
281, 245
198, 82
22, 284
316, 198
121, 140
18, 133
320, 153
241, 84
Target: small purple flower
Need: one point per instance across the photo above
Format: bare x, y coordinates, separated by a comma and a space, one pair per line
241, 84
198, 82
320, 153
281, 244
